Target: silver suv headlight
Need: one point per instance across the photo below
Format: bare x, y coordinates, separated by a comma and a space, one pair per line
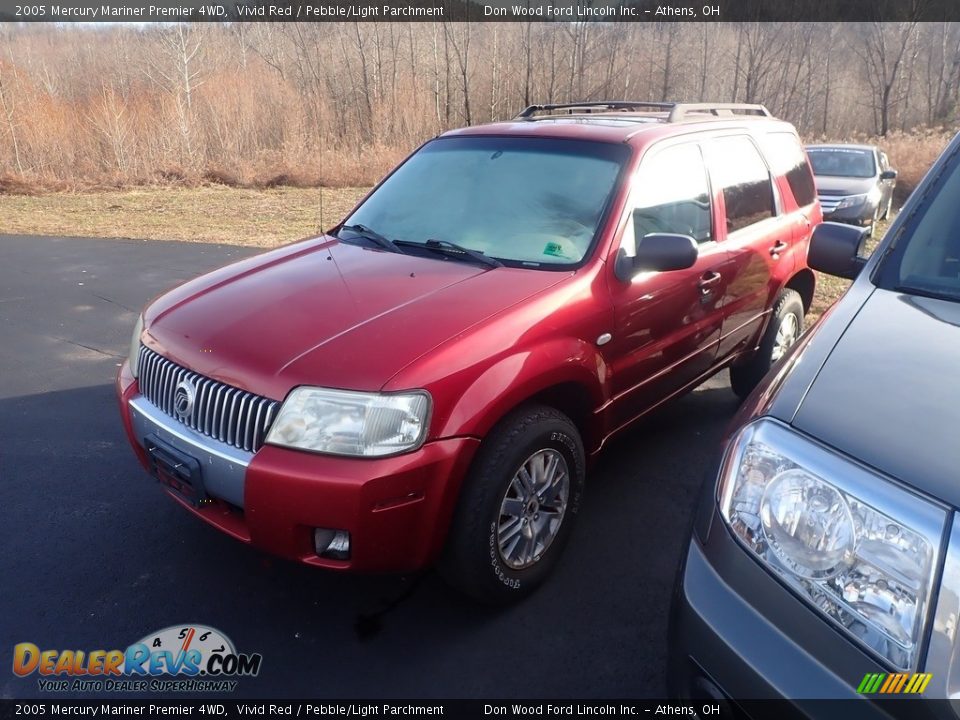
859, 549
852, 201
343, 422
134, 356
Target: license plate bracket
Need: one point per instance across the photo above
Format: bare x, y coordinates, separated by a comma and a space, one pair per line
178, 471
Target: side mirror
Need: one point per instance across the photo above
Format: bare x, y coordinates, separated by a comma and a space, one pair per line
888, 175
658, 252
835, 249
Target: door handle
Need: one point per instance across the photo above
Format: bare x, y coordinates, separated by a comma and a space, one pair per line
778, 248
708, 280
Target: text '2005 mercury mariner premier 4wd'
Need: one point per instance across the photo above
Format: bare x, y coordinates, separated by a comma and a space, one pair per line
429, 380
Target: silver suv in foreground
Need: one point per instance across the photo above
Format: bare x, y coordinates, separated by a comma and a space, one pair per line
824, 560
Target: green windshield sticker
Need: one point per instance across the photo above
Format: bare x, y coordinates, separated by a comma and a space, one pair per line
554, 249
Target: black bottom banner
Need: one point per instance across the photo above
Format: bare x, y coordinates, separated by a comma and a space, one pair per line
469, 709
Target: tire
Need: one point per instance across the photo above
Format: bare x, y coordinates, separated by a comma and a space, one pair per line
476, 560
745, 377
888, 208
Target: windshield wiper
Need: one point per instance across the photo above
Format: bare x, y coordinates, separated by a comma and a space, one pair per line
370, 234
453, 250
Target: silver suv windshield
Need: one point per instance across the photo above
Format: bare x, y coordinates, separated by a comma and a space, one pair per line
925, 256
534, 202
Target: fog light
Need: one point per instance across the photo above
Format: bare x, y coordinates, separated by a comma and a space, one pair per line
332, 544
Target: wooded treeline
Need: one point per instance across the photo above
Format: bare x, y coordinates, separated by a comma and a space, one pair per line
339, 103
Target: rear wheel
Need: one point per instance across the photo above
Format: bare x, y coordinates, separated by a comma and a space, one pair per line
517, 506
784, 330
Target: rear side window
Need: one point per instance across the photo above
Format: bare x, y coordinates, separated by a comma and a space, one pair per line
738, 168
786, 157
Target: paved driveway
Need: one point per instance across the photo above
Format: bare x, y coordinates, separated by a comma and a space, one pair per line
95, 556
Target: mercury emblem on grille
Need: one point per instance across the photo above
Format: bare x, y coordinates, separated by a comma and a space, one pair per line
183, 398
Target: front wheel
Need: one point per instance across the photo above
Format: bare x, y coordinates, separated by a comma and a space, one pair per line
517, 506
786, 325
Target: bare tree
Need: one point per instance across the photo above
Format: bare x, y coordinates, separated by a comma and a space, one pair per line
461, 51
175, 64
883, 47
7, 106
109, 120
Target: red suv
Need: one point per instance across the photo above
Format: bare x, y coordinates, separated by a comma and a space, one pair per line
430, 380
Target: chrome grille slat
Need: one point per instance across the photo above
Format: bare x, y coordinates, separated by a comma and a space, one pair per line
226, 413
231, 417
241, 424
199, 416
251, 432
208, 407
218, 412
166, 391
194, 420
256, 423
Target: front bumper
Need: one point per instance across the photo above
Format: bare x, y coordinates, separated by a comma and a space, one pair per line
724, 647
861, 215
397, 509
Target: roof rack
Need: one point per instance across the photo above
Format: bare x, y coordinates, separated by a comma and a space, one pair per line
592, 107
676, 112
690, 111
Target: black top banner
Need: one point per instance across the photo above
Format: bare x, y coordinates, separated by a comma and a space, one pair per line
110, 11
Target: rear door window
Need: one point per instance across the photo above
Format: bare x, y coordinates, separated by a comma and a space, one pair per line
741, 173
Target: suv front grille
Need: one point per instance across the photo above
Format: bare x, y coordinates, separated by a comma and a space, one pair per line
220, 411
830, 199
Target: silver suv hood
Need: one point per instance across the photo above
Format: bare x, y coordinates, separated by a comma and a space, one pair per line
889, 392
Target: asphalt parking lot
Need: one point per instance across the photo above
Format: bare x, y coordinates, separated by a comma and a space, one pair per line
95, 556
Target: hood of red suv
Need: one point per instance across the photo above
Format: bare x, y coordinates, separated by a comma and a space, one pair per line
327, 313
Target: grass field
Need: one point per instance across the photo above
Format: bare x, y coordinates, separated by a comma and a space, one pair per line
216, 214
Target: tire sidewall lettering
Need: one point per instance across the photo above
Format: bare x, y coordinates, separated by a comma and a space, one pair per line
498, 570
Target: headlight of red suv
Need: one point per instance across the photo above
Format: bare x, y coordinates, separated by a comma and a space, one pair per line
344, 422
859, 549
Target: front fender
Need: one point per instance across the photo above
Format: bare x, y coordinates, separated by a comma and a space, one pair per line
572, 366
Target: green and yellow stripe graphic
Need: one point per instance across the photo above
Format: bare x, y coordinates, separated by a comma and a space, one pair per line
897, 683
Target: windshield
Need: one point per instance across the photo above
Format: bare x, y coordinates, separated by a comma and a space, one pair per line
925, 258
842, 162
530, 201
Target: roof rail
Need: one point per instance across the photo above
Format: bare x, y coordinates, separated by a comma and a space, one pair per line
594, 106
676, 112
690, 111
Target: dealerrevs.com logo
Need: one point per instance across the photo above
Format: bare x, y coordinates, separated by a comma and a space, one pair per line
180, 658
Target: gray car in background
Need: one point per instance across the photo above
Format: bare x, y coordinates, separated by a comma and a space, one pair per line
855, 183
824, 560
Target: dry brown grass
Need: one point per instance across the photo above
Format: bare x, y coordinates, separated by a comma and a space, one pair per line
912, 154
262, 218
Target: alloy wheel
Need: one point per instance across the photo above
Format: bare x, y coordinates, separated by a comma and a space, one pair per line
787, 335
533, 508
